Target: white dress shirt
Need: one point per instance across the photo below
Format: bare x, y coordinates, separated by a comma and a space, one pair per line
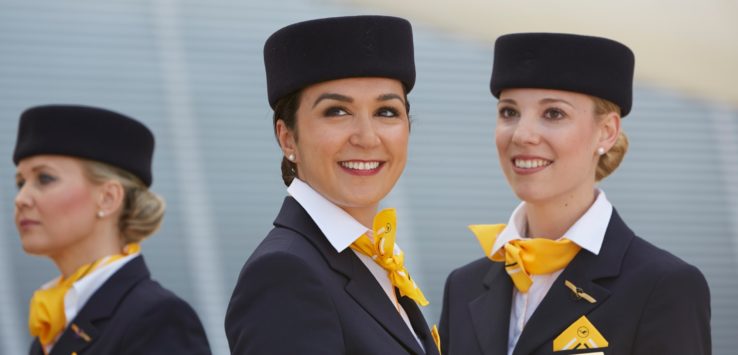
588, 232
81, 291
342, 230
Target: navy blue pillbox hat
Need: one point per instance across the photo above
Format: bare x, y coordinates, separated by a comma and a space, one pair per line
86, 132
315, 51
590, 65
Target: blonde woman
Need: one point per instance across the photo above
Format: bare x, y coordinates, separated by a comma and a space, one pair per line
566, 275
83, 177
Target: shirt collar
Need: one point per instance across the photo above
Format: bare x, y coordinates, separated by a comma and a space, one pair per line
588, 231
336, 224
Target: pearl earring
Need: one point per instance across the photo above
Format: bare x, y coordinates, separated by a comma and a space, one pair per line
601, 151
291, 157
100, 214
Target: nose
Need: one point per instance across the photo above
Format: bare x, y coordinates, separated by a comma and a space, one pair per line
526, 132
364, 132
23, 198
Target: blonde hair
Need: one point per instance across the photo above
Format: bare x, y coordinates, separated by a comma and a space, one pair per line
142, 210
609, 161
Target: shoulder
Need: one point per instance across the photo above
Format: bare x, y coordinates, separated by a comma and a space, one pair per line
474, 271
151, 301
648, 259
467, 281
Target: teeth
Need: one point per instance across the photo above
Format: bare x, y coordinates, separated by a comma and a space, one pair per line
360, 165
530, 164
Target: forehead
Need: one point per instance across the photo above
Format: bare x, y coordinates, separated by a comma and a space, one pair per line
355, 87
536, 96
62, 163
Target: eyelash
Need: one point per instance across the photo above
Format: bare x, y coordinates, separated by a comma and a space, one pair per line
560, 113
507, 112
387, 112
335, 111
391, 110
43, 179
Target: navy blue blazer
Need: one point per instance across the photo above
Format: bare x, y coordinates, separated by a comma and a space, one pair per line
132, 314
649, 302
297, 295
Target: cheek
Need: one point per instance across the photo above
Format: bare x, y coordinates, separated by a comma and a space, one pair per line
398, 141
68, 204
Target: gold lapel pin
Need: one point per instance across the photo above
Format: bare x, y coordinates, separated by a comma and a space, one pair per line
81, 333
579, 293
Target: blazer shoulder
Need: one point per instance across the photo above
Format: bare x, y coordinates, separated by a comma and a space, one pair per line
473, 270
645, 255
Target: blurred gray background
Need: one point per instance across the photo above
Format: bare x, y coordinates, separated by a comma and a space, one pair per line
193, 72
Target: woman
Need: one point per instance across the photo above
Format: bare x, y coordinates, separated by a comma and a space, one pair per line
83, 201
328, 279
567, 275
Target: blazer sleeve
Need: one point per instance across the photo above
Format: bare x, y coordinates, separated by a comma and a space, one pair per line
676, 319
168, 327
280, 306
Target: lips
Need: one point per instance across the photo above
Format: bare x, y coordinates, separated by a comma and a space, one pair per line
527, 164
531, 163
361, 167
27, 223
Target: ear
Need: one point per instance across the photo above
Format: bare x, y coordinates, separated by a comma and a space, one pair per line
286, 139
110, 197
609, 128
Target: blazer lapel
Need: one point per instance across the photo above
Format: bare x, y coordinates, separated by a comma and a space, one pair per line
560, 307
89, 323
361, 285
490, 312
417, 320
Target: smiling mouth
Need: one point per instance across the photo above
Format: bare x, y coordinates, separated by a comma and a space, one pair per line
531, 163
361, 165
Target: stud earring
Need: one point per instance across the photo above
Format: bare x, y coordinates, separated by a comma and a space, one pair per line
100, 214
291, 157
601, 151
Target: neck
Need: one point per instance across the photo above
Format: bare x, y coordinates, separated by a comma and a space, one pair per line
364, 215
90, 249
552, 218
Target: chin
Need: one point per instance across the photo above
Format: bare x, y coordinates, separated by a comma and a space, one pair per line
532, 194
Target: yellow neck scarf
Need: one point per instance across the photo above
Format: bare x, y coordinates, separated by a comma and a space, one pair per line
525, 257
47, 318
383, 251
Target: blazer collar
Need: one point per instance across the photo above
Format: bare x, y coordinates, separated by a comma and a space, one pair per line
560, 307
85, 328
360, 285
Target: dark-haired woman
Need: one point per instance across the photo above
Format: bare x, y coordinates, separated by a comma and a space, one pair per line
83, 177
329, 279
566, 275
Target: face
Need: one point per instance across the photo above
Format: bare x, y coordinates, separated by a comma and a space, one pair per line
56, 205
547, 143
352, 139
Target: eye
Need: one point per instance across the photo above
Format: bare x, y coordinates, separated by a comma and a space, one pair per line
19, 183
45, 179
554, 114
335, 111
507, 112
387, 112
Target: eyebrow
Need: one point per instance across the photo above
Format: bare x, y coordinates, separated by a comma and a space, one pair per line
332, 96
387, 97
542, 101
552, 100
34, 169
344, 98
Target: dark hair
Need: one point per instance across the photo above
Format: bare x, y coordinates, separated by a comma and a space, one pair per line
286, 110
